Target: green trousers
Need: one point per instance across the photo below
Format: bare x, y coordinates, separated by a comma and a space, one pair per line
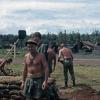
68, 66
50, 67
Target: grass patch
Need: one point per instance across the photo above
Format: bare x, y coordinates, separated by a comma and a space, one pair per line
85, 74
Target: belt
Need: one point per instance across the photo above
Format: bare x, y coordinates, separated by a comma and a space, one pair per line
67, 58
37, 75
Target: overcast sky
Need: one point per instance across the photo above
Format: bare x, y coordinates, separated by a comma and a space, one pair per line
49, 16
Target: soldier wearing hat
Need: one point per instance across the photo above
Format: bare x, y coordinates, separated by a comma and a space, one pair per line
35, 74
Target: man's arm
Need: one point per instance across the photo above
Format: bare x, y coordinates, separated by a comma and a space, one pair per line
71, 53
25, 71
54, 60
45, 65
24, 74
3, 62
59, 56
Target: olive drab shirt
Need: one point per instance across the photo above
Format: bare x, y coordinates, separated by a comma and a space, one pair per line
43, 49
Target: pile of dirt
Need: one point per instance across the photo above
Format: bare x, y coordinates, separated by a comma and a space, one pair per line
83, 92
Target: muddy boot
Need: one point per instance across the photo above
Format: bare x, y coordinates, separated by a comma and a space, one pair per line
74, 84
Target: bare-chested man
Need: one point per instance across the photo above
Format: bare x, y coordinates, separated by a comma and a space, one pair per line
35, 73
3, 62
66, 58
51, 58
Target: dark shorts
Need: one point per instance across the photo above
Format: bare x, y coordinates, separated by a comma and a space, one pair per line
33, 87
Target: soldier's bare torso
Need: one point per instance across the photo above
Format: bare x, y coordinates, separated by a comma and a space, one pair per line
34, 64
65, 52
51, 54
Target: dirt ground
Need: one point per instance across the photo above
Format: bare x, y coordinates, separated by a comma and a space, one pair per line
85, 61
83, 92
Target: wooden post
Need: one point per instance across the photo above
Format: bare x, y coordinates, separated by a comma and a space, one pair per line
14, 51
15, 48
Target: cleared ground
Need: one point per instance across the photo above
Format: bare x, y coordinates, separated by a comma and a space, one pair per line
87, 73
87, 70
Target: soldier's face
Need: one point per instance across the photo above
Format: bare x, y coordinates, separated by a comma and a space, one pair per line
31, 47
38, 40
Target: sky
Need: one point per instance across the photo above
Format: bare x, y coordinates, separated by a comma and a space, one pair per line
49, 16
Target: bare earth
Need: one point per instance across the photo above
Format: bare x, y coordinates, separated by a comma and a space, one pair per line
81, 91
86, 61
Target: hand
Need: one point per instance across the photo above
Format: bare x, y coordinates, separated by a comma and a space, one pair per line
44, 85
22, 85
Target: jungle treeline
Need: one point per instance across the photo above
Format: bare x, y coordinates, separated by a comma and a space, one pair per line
67, 38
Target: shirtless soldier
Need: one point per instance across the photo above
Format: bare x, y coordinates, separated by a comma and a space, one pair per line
51, 59
67, 61
3, 62
35, 74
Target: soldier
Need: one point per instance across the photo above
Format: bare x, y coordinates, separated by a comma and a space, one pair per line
35, 74
3, 62
41, 46
67, 60
51, 59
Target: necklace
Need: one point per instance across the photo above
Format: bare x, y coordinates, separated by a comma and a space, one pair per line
32, 57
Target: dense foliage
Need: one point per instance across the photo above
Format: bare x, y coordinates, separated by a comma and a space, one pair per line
67, 38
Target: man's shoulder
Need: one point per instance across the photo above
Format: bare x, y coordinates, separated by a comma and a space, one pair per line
26, 55
40, 54
61, 50
66, 48
49, 50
